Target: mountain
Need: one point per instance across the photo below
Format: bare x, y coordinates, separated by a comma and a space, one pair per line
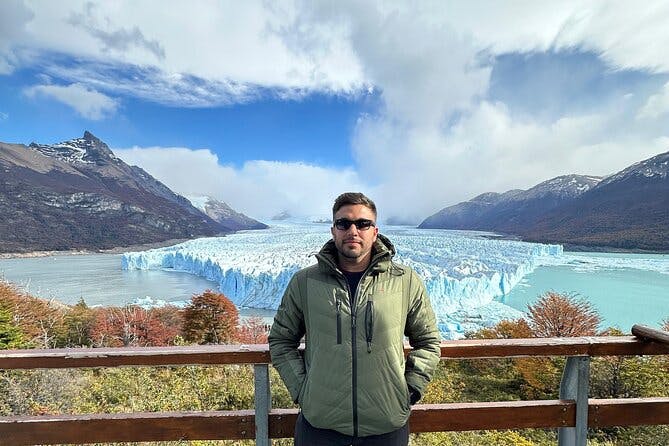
513, 210
79, 195
220, 212
627, 210
283, 215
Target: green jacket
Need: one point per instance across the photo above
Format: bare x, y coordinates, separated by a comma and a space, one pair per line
353, 377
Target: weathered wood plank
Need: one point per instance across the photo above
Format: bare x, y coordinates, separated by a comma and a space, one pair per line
214, 425
578, 346
134, 356
493, 415
259, 354
650, 334
134, 427
628, 412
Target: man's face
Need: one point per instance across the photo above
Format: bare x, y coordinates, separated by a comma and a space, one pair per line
354, 245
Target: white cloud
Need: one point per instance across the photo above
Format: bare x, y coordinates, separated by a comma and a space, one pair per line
3, 116
488, 151
89, 103
13, 17
211, 45
435, 138
656, 105
258, 188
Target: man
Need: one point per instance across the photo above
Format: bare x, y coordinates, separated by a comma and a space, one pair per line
354, 308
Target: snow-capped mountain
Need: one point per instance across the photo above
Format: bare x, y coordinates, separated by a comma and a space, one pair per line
654, 169
88, 149
492, 211
78, 195
629, 209
222, 213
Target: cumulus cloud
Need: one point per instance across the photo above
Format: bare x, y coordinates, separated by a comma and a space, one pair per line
258, 188
114, 38
656, 105
14, 15
220, 48
436, 137
87, 102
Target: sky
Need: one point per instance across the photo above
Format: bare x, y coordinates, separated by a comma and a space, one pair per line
278, 106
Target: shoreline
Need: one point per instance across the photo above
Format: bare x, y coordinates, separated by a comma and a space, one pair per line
146, 246
77, 252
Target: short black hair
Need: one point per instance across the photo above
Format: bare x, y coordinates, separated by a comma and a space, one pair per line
348, 198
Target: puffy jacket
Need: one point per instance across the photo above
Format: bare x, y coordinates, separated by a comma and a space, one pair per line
353, 377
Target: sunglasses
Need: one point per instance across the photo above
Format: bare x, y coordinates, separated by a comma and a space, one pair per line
362, 224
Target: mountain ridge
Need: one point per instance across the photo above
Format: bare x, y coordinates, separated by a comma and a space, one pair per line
626, 210
78, 195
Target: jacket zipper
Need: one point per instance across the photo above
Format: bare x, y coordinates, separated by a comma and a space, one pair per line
338, 320
354, 360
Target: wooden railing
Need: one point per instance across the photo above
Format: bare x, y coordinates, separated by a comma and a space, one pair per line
573, 413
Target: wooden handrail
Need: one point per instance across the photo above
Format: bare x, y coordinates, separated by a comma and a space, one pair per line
259, 353
238, 425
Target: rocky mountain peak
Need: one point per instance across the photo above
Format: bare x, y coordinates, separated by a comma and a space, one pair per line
89, 150
656, 167
565, 186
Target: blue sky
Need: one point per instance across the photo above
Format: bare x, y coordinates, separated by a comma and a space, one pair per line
274, 106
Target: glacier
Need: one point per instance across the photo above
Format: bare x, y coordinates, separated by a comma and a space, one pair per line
463, 271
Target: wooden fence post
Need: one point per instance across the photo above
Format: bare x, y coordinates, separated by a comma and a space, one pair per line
574, 386
263, 403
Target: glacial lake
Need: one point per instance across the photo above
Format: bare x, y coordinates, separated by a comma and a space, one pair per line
625, 288
99, 280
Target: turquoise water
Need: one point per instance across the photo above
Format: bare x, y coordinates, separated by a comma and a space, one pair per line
625, 289
98, 279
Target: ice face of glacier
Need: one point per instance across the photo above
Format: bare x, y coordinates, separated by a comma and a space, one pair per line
463, 271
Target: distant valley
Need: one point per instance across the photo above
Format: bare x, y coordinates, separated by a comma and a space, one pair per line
78, 195
626, 210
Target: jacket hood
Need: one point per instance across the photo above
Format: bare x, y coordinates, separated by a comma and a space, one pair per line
383, 251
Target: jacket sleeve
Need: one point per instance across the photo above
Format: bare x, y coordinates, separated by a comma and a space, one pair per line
284, 339
424, 338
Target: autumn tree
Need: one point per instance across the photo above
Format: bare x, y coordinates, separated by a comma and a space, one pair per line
164, 325
210, 318
120, 327
77, 325
253, 331
39, 320
559, 315
10, 335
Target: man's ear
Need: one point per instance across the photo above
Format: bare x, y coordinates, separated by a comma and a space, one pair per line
332, 231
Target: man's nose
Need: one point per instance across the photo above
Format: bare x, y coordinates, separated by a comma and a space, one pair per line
353, 229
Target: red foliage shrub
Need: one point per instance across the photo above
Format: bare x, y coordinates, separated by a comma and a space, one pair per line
210, 318
253, 331
557, 315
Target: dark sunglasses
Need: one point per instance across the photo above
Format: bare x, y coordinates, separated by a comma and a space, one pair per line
362, 224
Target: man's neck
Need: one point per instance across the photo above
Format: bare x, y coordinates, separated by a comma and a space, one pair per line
353, 266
